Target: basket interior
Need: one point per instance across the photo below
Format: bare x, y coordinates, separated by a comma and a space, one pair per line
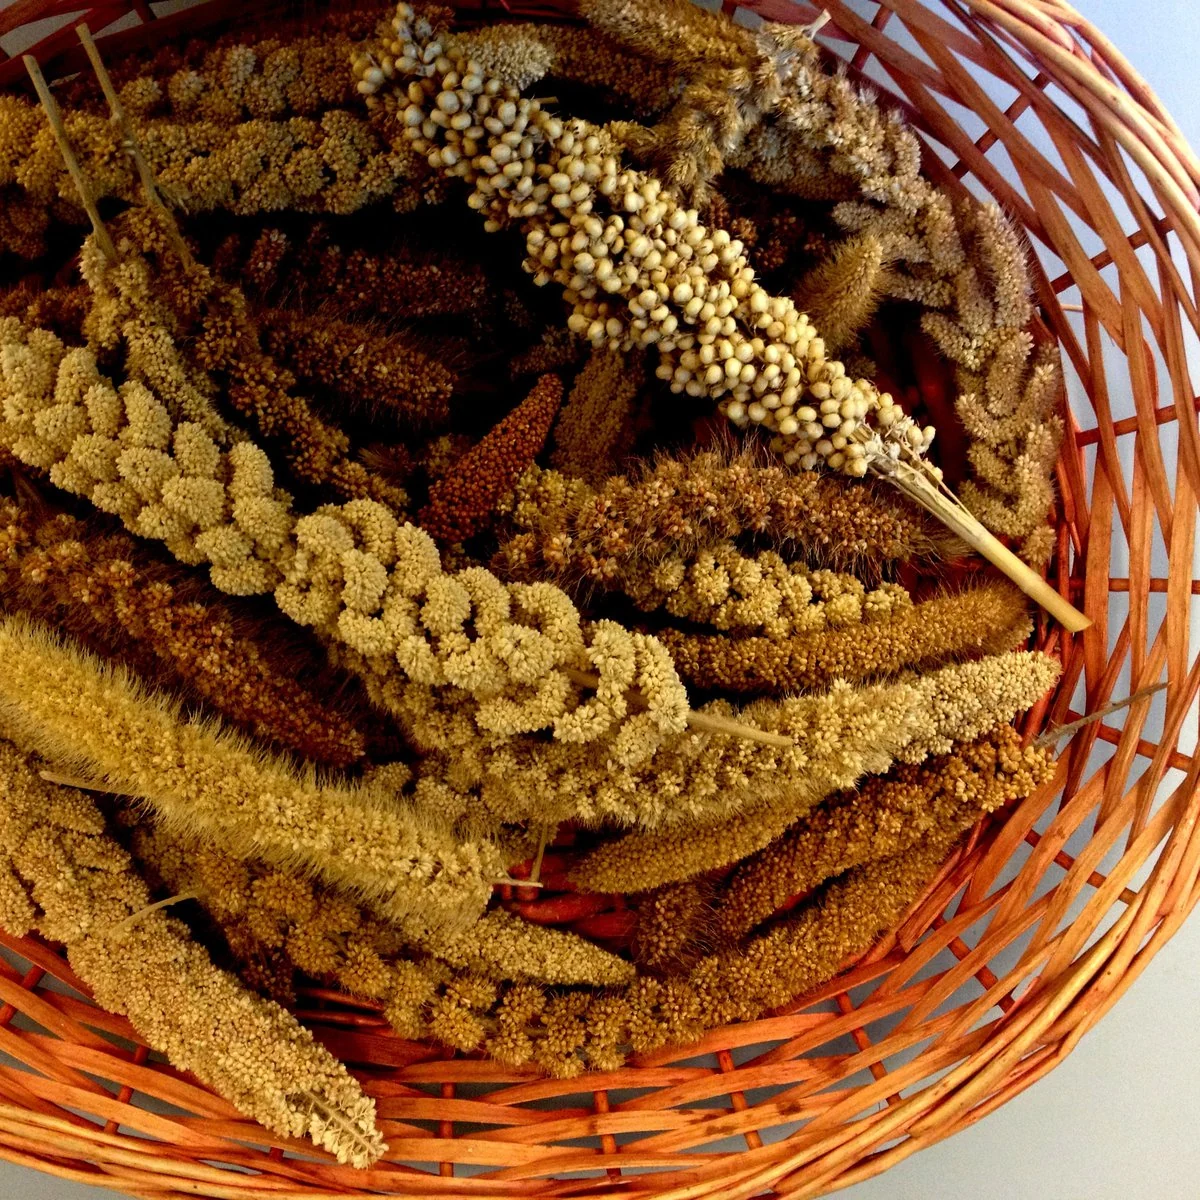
1030, 932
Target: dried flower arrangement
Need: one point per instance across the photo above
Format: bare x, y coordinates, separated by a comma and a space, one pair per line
750, 701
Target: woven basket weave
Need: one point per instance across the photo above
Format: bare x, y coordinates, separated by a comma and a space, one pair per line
1018, 948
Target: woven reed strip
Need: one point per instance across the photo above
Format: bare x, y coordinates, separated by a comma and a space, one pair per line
1005, 1056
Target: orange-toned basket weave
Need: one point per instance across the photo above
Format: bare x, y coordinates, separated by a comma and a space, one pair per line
1019, 947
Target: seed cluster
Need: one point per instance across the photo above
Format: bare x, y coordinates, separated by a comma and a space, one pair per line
638, 269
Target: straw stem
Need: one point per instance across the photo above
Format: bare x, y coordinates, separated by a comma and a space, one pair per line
952, 513
54, 116
132, 146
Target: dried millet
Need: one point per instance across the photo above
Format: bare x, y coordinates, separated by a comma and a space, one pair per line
686, 503
987, 619
594, 431
99, 719
144, 966
109, 590
403, 282
361, 366
884, 816
465, 500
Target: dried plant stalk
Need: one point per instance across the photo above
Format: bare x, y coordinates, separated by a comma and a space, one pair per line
212, 320
78, 887
594, 430
704, 319
361, 367
885, 816
566, 1034
106, 589
673, 927
335, 164
404, 282
988, 619
682, 505
786, 602
462, 503
298, 924
864, 730
96, 721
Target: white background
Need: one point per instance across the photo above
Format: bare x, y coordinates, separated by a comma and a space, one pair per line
1119, 1120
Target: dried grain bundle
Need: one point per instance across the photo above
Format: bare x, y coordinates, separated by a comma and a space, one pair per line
883, 817
962, 702
673, 926
107, 590
522, 54
465, 501
556, 350
969, 262
1011, 389
674, 33
987, 619
503, 946
566, 1034
336, 164
24, 223
855, 732
77, 886
403, 282
766, 105
637, 267
271, 79
99, 722
360, 366
166, 478
225, 353
644, 779
171, 56
849, 741
62, 310
595, 429
130, 316
842, 292
305, 926
518, 656
691, 502
727, 589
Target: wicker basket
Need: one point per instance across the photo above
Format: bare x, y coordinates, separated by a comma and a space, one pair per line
1018, 948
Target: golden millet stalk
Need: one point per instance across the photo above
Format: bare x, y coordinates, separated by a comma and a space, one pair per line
673, 926
568, 530
360, 366
839, 924
987, 619
273, 914
852, 732
841, 293
333, 164
884, 816
99, 723
108, 590
352, 572
594, 430
638, 268
847, 734
77, 886
726, 589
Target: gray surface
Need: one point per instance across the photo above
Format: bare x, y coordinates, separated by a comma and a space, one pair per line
1117, 1121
